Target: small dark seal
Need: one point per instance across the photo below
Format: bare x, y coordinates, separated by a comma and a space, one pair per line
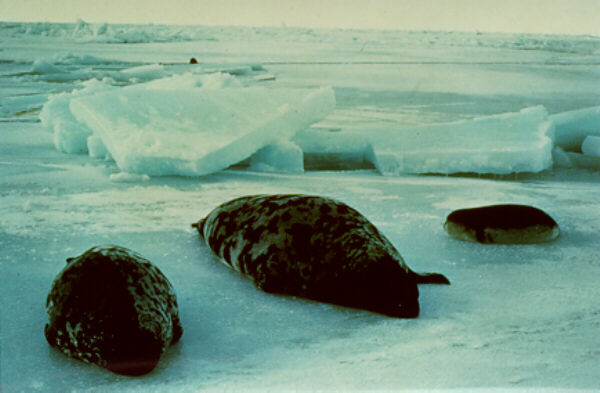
502, 224
112, 307
193, 60
314, 247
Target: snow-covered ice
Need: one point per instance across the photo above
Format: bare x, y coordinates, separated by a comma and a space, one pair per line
521, 318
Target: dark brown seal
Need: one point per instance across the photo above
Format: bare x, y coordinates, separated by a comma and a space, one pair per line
314, 247
502, 224
112, 307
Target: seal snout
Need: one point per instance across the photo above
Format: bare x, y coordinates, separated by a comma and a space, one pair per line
405, 302
135, 354
397, 298
400, 306
408, 310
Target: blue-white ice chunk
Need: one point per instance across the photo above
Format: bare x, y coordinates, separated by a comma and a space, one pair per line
219, 80
44, 67
282, 156
124, 177
70, 135
196, 131
583, 161
191, 80
499, 144
47, 71
142, 73
96, 148
79, 59
591, 146
571, 128
560, 158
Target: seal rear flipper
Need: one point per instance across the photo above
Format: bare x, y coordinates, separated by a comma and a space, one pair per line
198, 225
430, 278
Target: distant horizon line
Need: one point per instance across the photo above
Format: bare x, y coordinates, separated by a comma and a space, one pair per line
284, 26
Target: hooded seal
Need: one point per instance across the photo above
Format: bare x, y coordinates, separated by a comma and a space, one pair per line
314, 247
112, 307
502, 224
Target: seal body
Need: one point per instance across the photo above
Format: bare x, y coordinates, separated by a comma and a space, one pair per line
502, 224
112, 307
314, 247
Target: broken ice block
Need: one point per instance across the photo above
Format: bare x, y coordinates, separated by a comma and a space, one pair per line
499, 144
571, 128
195, 132
70, 136
583, 161
96, 148
142, 73
591, 146
281, 156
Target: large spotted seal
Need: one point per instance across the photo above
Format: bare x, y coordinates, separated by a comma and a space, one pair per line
314, 247
112, 307
502, 224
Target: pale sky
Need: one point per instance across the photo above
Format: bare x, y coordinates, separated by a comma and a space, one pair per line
530, 16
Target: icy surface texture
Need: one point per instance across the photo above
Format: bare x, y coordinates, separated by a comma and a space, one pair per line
196, 131
280, 156
82, 31
571, 128
499, 144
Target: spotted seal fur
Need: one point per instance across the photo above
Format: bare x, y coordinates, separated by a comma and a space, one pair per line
502, 224
314, 247
112, 307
